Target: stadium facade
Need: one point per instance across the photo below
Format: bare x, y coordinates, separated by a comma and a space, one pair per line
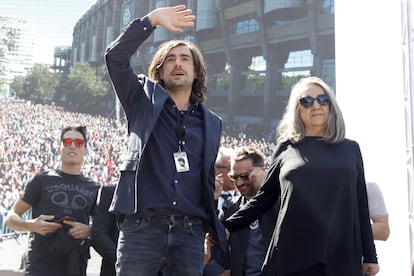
254, 49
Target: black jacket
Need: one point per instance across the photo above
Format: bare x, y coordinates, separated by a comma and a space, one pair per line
238, 240
105, 231
326, 193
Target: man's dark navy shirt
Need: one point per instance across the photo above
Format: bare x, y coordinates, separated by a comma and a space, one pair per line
162, 186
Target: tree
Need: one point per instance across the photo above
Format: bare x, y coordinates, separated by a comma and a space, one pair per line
87, 88
223, 81
62, 89
38, 86
255, 82
17, 86
289, 79
83, 89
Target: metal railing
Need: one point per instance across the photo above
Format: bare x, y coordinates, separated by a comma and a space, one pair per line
6, 232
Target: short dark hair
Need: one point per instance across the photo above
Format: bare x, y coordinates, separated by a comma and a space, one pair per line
80, 129
252, 153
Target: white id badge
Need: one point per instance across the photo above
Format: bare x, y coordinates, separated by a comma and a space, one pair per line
181, 161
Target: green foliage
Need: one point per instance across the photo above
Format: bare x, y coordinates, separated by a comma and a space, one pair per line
62, 89
83, 89
17, 86
84, 79
38, 86
223, 82
88, 87
288, 81
255, 82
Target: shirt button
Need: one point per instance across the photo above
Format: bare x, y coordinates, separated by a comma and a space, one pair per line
145, 28
176, 181
174, 203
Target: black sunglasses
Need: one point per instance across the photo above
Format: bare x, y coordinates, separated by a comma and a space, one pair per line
243, 176
307, 101
222, 167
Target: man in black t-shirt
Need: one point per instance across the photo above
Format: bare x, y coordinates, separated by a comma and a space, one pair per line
61, 203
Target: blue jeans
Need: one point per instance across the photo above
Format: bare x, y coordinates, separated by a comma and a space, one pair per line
173, 245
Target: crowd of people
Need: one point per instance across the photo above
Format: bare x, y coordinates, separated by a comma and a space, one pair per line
167, 188
30, 141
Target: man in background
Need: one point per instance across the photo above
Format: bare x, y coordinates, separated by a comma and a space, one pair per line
105, 231
247, 248
226, 193
377, 212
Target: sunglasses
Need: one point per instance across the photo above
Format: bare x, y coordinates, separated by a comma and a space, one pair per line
67, 142
223, 167
307, 101
243, 176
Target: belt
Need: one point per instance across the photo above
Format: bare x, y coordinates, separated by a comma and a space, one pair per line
158, 217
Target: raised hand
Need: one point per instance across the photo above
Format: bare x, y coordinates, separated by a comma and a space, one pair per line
257, 175
172, 18
219, 185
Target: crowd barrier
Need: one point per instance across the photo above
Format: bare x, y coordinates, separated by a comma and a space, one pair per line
6, 232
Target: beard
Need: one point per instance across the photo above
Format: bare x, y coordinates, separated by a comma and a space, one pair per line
176, 85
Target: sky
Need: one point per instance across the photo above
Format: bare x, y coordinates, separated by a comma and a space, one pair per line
53, 21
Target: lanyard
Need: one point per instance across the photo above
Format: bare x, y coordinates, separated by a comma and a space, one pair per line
181, 128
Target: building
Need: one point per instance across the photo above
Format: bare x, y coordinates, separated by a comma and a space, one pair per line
61, 58
18, 60
254, 49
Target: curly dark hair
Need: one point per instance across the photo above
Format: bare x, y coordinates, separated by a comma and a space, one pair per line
252, 153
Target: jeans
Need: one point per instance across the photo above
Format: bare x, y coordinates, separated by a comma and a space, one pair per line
171, 245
